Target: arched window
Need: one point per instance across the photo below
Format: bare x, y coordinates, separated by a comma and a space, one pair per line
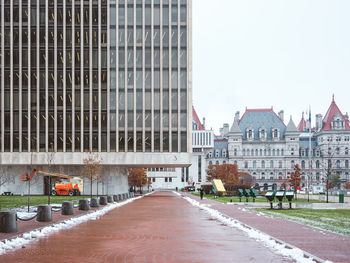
346, 164
210, 162
262, 164
271, 176
278, 152
223, 162
217, 153
275, 133
282, 152
261, 152
263, 177
243, 152
210, 154
217, 162
224, 153
337, 150
317, 176
280, 175
317, 164
303, 164
346, 151
264, 152
338, 164
292, 164
280, 163
292, 151
269, 151
252, 152
235, 152
245, 164
271, 164
235, 162
256, 152
254, 164
273, 152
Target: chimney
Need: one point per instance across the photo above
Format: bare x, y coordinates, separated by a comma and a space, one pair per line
226, 129
318, 122
237, 116
281, 115
203, 123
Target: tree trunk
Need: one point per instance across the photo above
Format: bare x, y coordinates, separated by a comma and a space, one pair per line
91, 187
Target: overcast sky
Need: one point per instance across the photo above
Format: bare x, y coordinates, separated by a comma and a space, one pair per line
258, 54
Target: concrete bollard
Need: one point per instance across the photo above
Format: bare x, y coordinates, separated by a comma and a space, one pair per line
8, 222
120, 197
94, 202
67, 208
110, 199
44, 213
84, 205
115, 198
103, 200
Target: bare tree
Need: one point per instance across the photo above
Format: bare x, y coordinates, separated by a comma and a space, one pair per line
92, 168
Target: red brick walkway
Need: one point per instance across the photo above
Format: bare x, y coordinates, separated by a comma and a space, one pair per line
160, 227
321, 243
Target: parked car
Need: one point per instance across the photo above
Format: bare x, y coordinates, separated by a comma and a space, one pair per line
189, 188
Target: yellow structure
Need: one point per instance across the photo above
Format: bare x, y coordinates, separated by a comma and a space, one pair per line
219, 186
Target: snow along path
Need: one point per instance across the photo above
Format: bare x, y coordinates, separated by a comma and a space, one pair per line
280, 247
25, 238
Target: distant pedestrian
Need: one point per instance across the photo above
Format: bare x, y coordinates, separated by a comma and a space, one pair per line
177, 189
201, 192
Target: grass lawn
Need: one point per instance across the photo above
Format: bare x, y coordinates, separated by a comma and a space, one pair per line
337, 221
8, 202
258, 199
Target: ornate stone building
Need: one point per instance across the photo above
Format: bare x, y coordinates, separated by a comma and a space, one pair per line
261, 144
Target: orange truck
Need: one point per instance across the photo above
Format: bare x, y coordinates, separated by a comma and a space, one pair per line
60, 188
66, 189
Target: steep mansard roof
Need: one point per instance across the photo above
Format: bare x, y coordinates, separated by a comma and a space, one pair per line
333, 110
257, 118
291, 126
302, 124
197, 120
235, 128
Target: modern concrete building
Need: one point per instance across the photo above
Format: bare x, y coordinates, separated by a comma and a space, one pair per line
108, 76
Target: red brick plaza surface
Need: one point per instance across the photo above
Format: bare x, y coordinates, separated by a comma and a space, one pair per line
161, 227
320, 243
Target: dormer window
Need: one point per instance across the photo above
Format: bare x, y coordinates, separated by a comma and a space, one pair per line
217, 153
337, 122
275, 133
292, 151
250, 134
262, 134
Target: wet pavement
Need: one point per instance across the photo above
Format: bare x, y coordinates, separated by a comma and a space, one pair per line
161, 227
320, 243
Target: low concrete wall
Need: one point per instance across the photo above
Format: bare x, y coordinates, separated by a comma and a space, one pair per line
323, 205
334, 199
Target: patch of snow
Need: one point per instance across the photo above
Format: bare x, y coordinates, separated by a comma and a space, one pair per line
27, 237
293, 253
